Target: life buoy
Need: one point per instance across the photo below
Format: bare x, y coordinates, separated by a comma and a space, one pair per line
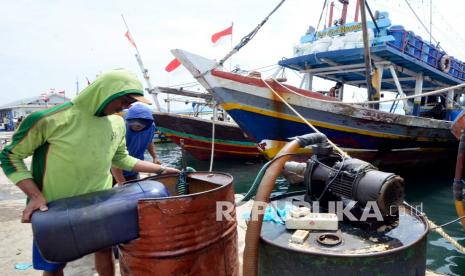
444, 63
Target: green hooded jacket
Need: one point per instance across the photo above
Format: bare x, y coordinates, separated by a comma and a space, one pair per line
74, 144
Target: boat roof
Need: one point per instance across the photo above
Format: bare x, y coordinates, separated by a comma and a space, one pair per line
348, 66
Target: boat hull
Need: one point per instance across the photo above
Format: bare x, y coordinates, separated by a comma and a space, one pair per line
230, 142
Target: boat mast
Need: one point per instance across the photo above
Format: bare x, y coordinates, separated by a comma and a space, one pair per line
345, 4
331, 9
372, 93
145, 73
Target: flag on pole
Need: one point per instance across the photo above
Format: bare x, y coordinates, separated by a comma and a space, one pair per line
225, 32
172, 65
129, 37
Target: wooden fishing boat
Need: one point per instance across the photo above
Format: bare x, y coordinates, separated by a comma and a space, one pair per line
373, 135
230, 142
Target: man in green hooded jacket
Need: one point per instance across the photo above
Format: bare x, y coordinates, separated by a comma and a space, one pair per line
74, 145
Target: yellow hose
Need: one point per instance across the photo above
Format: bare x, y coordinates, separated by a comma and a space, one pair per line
460, 211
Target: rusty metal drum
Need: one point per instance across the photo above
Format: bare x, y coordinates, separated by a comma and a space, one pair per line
181, 235
398, 249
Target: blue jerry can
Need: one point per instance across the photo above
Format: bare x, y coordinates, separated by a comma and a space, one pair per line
76, 226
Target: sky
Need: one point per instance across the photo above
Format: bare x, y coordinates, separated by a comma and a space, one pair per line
54, 44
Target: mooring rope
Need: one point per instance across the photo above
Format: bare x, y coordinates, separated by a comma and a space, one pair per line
212, 154
439, 230
342, 152
442, 233
447, 223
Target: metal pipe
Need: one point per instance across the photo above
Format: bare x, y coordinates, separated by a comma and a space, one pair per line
399, 88
345, 3
357, 11
331, 9
371, 91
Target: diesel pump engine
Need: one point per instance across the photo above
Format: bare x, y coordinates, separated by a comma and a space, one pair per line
329, 177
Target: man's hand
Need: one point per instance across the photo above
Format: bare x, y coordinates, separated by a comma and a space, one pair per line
118, 175
156, 161
37, 203
170, 170
37, 199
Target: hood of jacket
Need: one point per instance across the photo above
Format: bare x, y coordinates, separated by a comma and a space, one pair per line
105, 88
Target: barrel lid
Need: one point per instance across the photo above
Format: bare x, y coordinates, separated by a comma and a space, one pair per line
353, 241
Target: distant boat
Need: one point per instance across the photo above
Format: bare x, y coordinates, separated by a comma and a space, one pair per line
230, 142
160, 138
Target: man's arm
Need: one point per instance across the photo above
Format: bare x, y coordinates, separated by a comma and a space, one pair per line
30, 136
153, 153
149, 167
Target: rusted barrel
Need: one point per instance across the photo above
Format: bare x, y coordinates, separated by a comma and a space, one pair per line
181, 235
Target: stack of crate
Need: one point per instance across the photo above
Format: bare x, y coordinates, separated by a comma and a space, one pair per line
408, 43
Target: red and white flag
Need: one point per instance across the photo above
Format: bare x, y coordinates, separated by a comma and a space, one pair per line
129, 37
225, 32
172, 65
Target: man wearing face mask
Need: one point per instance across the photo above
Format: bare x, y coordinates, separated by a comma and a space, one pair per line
140, 129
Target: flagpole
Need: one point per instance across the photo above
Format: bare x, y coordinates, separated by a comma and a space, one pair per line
127, 28
230, 61
145, 72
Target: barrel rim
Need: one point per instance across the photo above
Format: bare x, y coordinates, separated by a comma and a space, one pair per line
220, 186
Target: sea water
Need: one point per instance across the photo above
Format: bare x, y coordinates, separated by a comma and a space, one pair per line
431, 192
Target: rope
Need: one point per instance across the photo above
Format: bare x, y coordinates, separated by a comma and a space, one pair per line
447, 223
213, 137
182, 186
326, 15
434, 92
321, 15
442, 233
249, 36
343, 153
421, 22
439, 230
